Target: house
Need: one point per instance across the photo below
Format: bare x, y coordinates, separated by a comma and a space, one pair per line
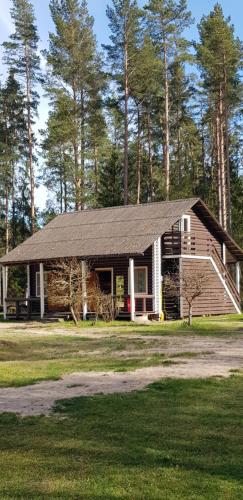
130, 249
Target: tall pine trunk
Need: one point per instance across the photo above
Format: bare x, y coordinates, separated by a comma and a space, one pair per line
218, 163
96, 168
138, 156
222, 161
82, 193
30, 141
6, 220
150, 156
227, 153
166, 125
126, 123
76, 155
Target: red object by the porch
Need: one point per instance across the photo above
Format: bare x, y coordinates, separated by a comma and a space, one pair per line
129, 304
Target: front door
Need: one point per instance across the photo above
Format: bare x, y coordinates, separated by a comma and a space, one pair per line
105, 280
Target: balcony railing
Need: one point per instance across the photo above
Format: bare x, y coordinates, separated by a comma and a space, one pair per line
182, 243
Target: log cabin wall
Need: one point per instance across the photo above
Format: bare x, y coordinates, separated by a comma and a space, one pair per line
215, 299
202, 232
201, 228
120, 266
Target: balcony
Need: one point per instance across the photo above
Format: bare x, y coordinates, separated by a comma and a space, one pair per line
182, 243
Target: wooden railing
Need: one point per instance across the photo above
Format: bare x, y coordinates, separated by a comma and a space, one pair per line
143, 303
22, 307
226, 275
182, 243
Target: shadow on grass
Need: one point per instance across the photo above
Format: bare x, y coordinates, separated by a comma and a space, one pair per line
188, 432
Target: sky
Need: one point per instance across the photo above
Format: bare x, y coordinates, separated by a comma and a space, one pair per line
232, 8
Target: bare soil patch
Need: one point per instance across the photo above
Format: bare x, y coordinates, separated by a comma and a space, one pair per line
215, 357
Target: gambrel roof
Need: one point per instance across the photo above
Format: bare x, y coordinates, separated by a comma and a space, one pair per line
113, 231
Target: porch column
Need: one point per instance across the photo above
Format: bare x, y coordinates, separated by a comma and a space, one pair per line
5, 278
238, 276
157, 271
42, 291
224, 253
132, 288
28, 282
84, 290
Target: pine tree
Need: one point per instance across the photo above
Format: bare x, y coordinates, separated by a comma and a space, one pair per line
145, 90
219, 56
124, 26
21, 54
57, 152
167, 19
110, 181
75, 71
12, 140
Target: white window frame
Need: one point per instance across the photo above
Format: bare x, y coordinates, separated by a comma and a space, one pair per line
112, 276
181, 223
146, 280
36, 282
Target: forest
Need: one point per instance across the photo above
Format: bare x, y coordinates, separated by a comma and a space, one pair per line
150, 116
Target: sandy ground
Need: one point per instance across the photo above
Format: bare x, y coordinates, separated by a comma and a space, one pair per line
216, 356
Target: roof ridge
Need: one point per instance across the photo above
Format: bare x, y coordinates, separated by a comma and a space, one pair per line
129, 206
110, 222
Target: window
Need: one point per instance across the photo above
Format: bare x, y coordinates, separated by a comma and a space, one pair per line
185, 224
120, 291
140, 281
38, 284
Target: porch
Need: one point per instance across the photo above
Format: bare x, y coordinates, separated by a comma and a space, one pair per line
129, 281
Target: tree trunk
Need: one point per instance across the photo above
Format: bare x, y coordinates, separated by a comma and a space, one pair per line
126, 123
82, 150
218, 162
30, 142
96, 165
76, 155
190, 315
166, 124
150, 157
222, 161
74, 316
6, 220
138, 157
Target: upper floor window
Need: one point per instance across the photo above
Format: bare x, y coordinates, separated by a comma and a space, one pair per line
185, 224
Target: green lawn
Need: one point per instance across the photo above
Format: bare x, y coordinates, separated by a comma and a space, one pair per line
176, 440
27, 357
212, 325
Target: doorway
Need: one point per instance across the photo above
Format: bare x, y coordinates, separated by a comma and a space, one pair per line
105, 280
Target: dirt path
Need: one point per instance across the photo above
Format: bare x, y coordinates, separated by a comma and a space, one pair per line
215, 357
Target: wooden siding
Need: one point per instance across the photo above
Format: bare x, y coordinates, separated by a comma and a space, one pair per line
202, 233
215, 299
201, 228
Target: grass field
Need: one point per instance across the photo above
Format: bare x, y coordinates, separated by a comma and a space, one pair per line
177, 440
27, 357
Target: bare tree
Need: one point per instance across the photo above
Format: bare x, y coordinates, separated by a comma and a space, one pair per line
103, 305
188, 286
71, 285
67, 286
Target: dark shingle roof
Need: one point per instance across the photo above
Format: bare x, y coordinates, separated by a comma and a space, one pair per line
109, 231
123, 230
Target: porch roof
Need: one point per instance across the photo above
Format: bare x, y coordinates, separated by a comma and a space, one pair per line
113, 231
